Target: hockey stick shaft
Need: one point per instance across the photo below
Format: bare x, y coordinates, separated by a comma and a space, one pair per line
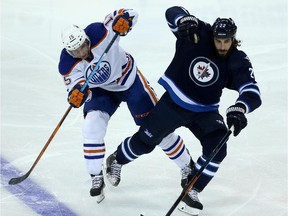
99, 61
22, 178
17, 180
188, 187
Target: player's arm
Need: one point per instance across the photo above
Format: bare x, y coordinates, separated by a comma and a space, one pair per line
243, 81
71, 72
182, 24
249, 99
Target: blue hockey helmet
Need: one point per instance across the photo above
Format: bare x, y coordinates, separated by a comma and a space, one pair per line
224, 28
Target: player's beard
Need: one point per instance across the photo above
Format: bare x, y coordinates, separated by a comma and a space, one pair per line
224, 53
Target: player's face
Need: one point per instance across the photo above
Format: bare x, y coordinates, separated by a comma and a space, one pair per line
82, 52
223, 45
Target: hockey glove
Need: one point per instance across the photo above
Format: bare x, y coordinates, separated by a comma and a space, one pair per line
122, 24
235, 117
188, 28
76, 98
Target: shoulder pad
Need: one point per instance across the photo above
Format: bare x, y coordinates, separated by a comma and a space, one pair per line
66, 63
96, 32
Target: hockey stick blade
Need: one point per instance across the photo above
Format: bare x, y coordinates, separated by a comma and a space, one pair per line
17, 180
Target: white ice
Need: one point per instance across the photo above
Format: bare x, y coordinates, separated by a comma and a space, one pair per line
251, 181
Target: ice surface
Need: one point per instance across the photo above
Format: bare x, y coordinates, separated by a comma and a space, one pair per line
251, 181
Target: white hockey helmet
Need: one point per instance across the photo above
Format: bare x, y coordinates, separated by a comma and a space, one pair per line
73, 37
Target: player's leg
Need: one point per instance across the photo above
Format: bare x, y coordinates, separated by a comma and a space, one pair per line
156, 129
174, 147
140, 99
140, 104
97, 114
209, 129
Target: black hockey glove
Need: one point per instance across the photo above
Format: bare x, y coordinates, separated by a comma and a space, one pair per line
235, 117
188, 28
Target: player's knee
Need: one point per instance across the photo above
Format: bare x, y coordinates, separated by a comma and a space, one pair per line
95, 126
138, 146
149, 138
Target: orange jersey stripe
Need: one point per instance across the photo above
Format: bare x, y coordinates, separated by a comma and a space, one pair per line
124, 72
147, 86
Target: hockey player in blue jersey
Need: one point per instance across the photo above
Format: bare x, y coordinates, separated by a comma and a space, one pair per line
117, 80
206, 61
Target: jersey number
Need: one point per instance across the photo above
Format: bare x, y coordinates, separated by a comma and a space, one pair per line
67, 80
252, 73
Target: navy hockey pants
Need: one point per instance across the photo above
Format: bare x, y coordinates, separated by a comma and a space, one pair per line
166, 116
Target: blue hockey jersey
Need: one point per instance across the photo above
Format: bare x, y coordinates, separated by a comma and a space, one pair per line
197, 75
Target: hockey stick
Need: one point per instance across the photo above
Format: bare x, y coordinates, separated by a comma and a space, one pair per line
17, 180
188, 187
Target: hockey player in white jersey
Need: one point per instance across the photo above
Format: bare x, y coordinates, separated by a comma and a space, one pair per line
116, 80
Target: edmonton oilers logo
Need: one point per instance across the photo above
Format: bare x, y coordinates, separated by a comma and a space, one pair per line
203, 72
102, 73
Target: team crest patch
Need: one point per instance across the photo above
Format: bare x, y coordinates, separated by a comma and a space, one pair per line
101, 75
203, 72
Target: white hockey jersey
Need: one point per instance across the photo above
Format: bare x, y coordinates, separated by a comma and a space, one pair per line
117, 69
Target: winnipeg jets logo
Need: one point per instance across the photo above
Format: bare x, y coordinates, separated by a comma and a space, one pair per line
203, 71
100, 75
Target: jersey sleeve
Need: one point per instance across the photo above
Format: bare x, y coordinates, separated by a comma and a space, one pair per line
243, 81
173, 14
71, 70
